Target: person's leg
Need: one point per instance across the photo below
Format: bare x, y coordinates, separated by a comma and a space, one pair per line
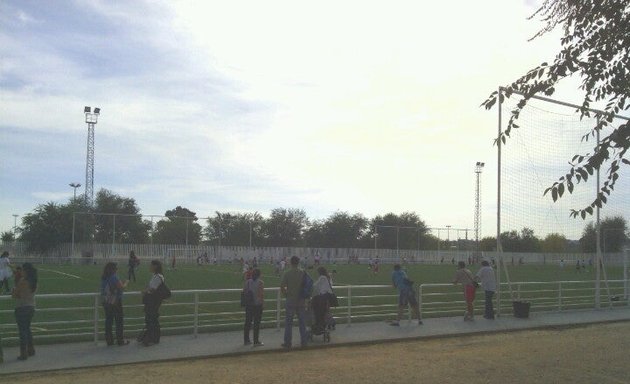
109, 319
288, 324
150, 324
248, 323
30, 348
118, 318
301, 314
489, 306
258, 310
21, 324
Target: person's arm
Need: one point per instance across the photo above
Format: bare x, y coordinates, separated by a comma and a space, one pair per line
283, 284
261, 292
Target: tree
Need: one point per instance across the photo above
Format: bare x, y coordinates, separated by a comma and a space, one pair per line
488, 244
179, 227
46, 227
127, 224
390, 232
524, 241
554, 243
7, 237
235, 229
612, 234
339, 230
285, 227
596, 48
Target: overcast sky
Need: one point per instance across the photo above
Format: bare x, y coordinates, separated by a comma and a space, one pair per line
359, 106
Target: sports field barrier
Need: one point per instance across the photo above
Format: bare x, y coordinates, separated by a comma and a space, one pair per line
79, 316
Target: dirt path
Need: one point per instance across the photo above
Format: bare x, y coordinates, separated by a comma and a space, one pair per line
595, 354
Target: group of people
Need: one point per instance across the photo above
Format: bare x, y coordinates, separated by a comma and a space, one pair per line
25, 277
484, 279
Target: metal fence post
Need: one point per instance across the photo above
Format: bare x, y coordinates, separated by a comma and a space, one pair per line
559, 295
278, 308
96, 302
420, 301
349, 305
196, 317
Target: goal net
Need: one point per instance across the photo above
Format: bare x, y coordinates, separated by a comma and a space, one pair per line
535, 156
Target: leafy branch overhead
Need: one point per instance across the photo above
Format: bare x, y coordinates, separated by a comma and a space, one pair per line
596, 48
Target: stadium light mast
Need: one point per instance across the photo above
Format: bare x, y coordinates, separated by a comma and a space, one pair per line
74, 186
91, 118
478, 168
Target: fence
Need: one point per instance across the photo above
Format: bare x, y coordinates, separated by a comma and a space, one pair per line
67, 254
79, 317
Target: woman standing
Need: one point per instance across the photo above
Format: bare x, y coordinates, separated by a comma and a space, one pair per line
131, 265
152, 302
254, 306
5, 272
464, 277
112, 292
321, 289
24, 295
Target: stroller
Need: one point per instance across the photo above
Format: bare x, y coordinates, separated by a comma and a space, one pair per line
318, 314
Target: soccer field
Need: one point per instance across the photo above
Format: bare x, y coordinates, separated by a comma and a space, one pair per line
72, 318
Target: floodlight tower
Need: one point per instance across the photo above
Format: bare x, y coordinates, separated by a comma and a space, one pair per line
91, 119
478, 169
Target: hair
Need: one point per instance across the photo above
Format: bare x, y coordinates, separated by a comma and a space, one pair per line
132, 254
5, 254
109, 270
295, 260
322, 271
255, 274
485, 263
158, 266
461, 264
30, 274
396, 267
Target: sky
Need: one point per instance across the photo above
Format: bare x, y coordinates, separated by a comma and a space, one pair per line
356, 106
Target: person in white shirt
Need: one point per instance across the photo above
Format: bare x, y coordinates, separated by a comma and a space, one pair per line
152, 306
486, 276
322, 287
5, 272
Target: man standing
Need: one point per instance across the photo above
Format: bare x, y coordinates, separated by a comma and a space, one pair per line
406, 295
489, 285
464, 277
291, 286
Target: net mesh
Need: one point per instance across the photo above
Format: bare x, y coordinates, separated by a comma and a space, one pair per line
535, 156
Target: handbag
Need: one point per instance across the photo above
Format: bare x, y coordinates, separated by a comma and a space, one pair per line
333, 300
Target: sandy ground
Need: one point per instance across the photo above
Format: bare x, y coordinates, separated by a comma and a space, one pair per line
593, 354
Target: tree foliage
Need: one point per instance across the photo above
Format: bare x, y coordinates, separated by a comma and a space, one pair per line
7, 236
613, 235
596, 48
179, 227
127, 227
234, 229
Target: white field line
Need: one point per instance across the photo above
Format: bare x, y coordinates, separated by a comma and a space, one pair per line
62, 273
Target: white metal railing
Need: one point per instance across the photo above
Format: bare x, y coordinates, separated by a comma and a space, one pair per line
79, 316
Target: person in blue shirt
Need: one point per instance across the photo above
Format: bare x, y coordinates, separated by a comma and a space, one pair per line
406, 295
112, 292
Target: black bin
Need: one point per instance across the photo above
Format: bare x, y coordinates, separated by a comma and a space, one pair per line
521, 309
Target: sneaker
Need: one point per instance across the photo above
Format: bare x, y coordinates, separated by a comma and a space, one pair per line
395, 324
258, 344
123, 343
286, 346
247, 342
420, 322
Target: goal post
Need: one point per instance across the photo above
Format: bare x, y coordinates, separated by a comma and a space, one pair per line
537, 152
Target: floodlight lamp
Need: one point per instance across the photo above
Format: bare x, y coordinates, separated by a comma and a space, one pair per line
482, 164
87, 109
97, 110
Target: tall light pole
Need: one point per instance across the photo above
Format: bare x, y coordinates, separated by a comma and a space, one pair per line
15, 216
448, 232
91, 118
74, 186
478, 168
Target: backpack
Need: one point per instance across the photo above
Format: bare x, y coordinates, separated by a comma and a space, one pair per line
163, 292
108, 293
307, 286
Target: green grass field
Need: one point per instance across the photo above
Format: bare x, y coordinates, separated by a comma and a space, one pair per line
221, 311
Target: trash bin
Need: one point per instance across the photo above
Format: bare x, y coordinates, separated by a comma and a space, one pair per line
521, 309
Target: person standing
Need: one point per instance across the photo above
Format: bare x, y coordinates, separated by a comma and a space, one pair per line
112, 292
464, 277
24, 295
132, 264
322, 289
152, 303
291, 286
5, 272
406, 295
254, 307
489, 284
